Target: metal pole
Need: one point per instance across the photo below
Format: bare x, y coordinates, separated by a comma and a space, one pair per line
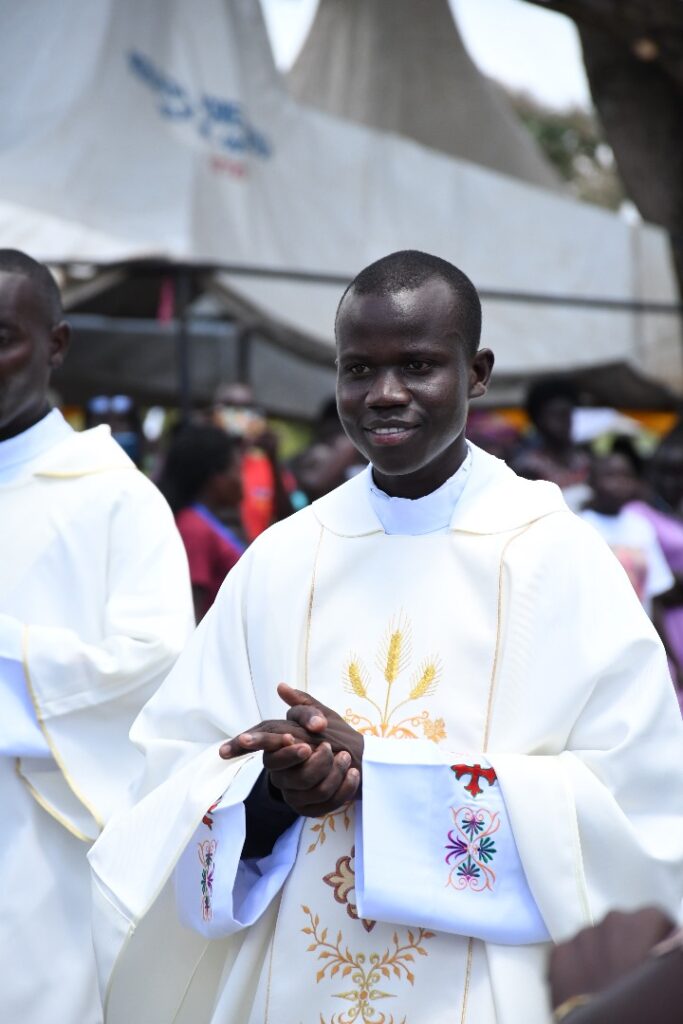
183, 344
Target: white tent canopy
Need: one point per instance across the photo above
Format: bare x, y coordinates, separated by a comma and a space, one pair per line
146, 129
387, 66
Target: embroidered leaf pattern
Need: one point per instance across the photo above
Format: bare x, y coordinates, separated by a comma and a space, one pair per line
486, 849
207, 858
328, 821
366, 972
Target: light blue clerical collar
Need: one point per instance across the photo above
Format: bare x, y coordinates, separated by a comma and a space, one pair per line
17, 452
414, 516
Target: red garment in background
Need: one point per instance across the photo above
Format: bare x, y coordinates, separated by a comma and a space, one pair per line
258, 493
211, 556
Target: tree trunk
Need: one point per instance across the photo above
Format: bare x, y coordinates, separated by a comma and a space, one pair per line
633, 53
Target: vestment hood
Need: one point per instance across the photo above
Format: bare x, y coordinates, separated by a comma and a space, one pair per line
82, 453
495, 500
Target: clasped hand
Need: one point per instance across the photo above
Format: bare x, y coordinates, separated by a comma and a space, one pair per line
313, 757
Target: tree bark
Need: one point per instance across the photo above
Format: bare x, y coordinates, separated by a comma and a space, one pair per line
633, 53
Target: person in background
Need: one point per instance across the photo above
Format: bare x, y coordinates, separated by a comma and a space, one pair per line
615, 483
95, 607
201, 481
121, 415
626, 970
550, 454
266, 487
330, 460
661, 508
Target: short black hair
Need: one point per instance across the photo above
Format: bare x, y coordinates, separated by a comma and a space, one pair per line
546, 390
196, 453
624, 445
409, 269
12, 261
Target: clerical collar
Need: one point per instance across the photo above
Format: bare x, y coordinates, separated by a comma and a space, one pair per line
17, 452
415, 516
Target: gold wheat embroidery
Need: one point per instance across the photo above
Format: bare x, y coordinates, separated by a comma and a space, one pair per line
365, 972
394, 657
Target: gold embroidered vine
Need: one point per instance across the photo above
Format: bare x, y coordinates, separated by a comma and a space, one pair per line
365, 972
393, 659
328, 821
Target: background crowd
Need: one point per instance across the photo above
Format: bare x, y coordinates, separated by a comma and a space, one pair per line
226, 480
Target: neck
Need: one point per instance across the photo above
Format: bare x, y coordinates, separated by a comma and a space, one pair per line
604, 510
24, 422
561, 450
426, 479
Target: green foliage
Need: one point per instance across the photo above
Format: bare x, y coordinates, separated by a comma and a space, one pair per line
572, 141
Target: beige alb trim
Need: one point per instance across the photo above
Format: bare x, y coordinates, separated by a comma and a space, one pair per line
309, 612
42, 802
97, 818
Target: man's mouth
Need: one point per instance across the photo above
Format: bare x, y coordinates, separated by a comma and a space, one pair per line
395, 433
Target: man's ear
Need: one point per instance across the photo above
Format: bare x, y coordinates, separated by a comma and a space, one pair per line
60, 339
480, 373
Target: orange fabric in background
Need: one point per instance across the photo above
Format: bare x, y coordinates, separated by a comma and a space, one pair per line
258, 491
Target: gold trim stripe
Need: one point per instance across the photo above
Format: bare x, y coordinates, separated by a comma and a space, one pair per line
468, 977
42, 802
309, 613
99, 821
487, 727
496, 654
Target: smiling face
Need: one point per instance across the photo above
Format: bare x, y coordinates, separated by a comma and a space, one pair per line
404, 378
30, 348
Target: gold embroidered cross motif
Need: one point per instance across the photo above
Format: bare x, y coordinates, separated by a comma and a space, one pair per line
393, 660
365, 972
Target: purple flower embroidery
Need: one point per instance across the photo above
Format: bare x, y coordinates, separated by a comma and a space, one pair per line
456, 846
470, 849
207, 858
472, 822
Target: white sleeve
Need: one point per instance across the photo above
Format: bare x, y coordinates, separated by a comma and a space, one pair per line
436, 850
218, 893
20, 734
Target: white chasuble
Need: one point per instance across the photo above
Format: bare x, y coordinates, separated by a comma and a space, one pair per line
521, 775
95, 605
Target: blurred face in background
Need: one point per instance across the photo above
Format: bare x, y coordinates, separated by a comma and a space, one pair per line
614, 483
225, 487
554, 420
237, 413
31, 347
666, 473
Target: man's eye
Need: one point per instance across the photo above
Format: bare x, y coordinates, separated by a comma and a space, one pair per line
418, 365
358, 369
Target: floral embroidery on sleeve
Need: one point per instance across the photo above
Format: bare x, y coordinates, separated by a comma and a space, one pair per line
471, 849
207, 858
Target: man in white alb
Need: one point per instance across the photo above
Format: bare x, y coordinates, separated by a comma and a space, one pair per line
502, 764
95, 606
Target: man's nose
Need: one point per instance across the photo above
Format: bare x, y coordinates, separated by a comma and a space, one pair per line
388, 389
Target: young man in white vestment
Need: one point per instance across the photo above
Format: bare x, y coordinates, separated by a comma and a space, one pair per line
477, 754
95, 606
